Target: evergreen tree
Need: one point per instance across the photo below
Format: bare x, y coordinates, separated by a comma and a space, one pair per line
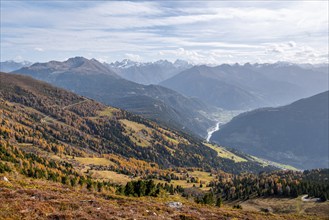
219, 201
129, 189
208, 199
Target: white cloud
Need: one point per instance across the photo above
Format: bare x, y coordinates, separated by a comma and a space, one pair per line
18, 58
124, 8
133, 57
39, 49
189, 55
102, 59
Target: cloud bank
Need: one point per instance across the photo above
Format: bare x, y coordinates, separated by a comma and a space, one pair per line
201, 32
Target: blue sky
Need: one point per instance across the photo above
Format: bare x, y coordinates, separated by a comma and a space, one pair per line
205, 32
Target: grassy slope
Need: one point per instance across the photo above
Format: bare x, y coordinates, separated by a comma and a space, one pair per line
111, 176
94, 160
267, 162
286, 205
203, 177
224, 153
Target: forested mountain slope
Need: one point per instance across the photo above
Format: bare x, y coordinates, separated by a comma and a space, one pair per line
295, 134
36, 113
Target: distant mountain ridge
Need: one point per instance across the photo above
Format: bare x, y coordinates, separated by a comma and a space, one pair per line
249, 86
10, 65
201, 82
313, 78
92, 79
149, 72
296, 134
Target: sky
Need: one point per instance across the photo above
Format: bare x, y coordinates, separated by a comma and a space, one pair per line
201, 32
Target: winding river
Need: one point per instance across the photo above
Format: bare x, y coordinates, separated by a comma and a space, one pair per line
212, 130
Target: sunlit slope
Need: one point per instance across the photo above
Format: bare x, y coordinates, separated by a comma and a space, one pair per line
59, 121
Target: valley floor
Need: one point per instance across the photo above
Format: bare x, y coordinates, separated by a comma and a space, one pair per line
25, 198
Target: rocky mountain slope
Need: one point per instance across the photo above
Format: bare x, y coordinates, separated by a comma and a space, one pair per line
150, 72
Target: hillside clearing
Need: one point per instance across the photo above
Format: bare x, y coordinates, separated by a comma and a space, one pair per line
223, 153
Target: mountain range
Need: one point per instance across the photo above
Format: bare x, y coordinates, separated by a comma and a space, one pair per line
150, 72
296, 134
10, 65
249, 86
92, 79
176, 101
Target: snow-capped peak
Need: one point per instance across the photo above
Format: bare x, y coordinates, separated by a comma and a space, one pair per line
181, 63
283, 64
126, 63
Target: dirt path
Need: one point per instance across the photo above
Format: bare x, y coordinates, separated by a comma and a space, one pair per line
78, 103
306, 199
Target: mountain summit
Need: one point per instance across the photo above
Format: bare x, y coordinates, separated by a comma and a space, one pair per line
76, 65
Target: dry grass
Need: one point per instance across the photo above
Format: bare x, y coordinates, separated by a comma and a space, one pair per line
223, 153
141, 135
111, 176
109, 112
184, 184
134, 125
138, 133
94, 160
203, 177
24, 144
287, 206
267, 163
176, 140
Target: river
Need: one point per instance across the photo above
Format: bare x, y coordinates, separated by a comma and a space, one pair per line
222, 117
212, 130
